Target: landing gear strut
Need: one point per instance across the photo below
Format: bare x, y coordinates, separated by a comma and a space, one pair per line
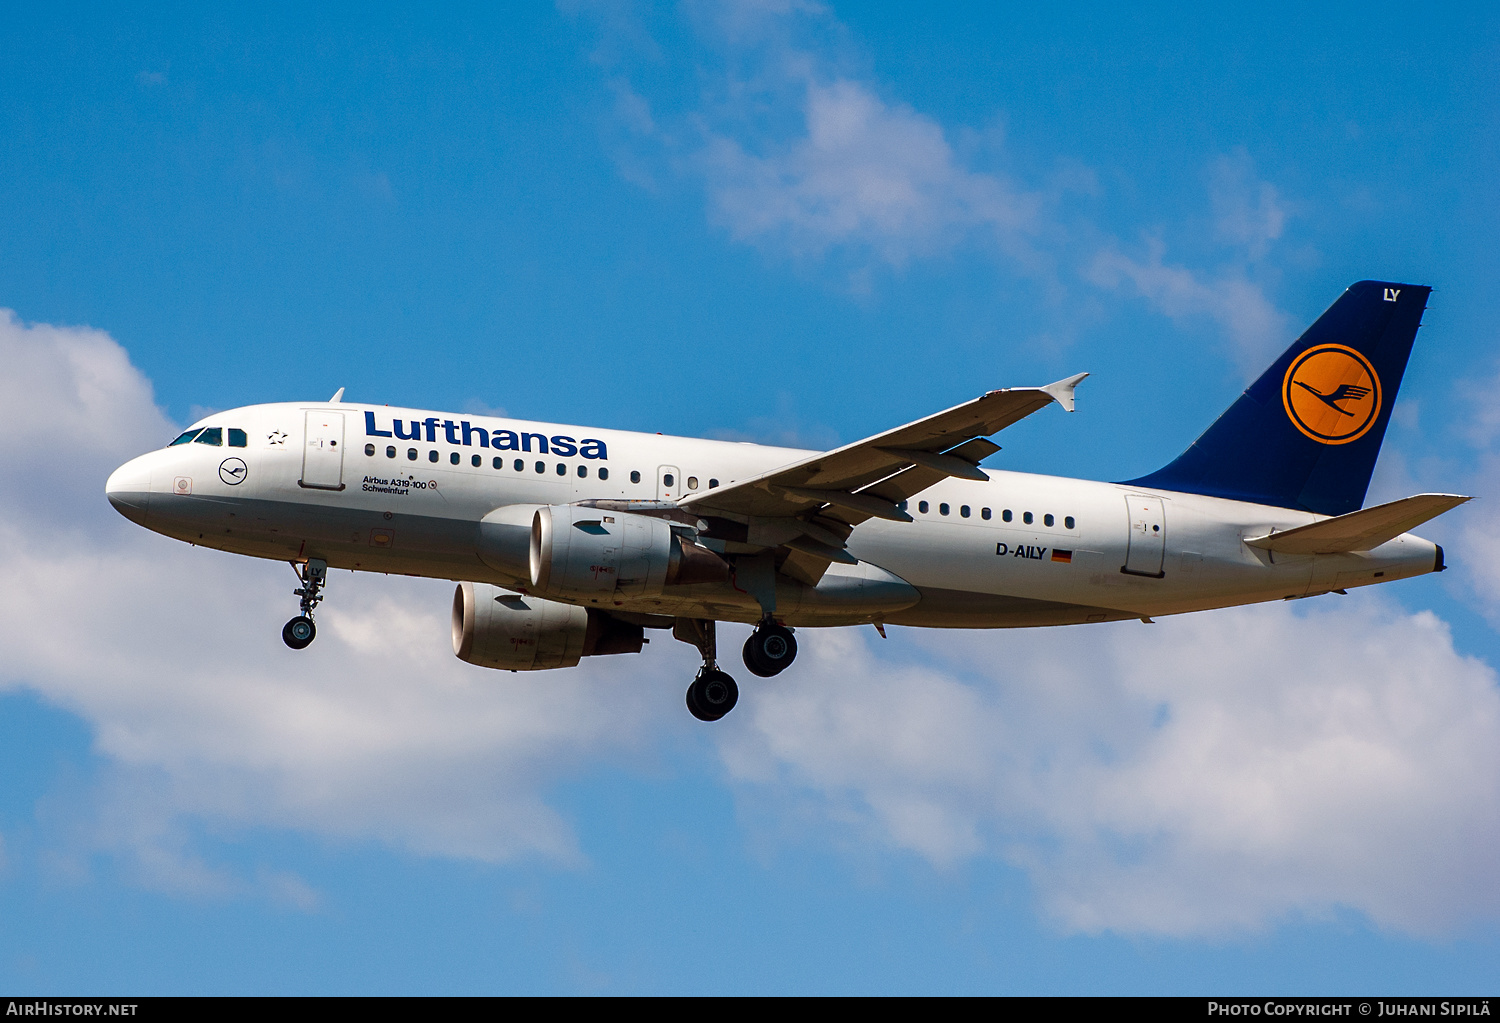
770, 649
713, 693
301, 631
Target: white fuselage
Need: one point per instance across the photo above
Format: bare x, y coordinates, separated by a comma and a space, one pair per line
1018, 550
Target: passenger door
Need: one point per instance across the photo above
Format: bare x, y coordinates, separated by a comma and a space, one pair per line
1148, 536
323, 451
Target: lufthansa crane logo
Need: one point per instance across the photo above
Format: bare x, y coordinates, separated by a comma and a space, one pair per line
233, 471
1331, 394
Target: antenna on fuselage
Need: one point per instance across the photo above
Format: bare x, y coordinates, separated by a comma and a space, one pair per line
338, 396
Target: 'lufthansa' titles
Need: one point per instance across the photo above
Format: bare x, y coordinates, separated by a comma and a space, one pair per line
466, 434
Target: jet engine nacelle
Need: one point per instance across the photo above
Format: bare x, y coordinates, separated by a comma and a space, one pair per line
495, 628
586, 553
505, 542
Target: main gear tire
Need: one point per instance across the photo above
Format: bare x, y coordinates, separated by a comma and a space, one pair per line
712, 695
770, 650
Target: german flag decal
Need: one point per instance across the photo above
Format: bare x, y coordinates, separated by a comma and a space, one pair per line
1066, 557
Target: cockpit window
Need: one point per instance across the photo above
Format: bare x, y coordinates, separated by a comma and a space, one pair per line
237, 438
184, 438
213, 435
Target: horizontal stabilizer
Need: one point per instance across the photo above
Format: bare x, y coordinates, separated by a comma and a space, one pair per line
1361, 530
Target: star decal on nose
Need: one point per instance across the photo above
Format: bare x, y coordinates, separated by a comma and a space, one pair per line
276, 437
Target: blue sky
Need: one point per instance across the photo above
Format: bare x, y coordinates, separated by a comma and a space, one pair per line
774, 222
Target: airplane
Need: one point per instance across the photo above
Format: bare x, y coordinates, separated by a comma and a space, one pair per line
568, 542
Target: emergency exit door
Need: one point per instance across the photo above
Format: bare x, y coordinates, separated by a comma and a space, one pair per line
668, 483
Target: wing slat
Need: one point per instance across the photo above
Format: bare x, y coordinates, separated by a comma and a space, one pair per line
867, 478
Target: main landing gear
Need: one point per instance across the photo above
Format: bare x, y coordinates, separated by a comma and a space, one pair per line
770, 649
301, 631
713, 693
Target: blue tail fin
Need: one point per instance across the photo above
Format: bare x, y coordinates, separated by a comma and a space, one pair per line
1306, 434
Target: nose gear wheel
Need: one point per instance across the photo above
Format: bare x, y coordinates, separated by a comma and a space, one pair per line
299, 632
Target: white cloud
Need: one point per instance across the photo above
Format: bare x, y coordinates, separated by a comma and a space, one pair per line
1248, 212
866, 173
1215, 773
1480, 532
1255, 327
801, 152
1212, 773
77, 406
173, 655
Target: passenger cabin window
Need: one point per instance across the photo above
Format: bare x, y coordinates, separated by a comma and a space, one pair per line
964, 511
715, 483
370, 450
922, 507
432, 456
1068, 522
213, 435
476, 461
583, 472
603, 473
1005, 515
635, 477
669, 480
237, 438
1026, 517
541, 467
411, 454
1047, 519
943, 509
692, 483
453, 458
984, 513
562, 470
519, 465
390, 451
499, 463
185, 438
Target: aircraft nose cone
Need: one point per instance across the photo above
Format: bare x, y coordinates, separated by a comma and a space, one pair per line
129, 490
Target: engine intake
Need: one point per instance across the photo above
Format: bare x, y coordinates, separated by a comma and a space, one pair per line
495, 628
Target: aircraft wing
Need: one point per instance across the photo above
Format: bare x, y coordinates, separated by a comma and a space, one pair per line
1362, 530
820, 499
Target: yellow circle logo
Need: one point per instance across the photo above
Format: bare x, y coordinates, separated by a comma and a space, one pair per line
1331, 394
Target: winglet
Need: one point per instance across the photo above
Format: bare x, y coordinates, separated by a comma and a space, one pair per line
1062, 390
338, 396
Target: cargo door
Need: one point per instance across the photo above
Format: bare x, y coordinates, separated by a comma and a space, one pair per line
1148, 536
323, 451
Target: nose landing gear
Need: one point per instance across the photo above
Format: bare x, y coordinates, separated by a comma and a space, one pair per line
770, 649
301, 631
713, 693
